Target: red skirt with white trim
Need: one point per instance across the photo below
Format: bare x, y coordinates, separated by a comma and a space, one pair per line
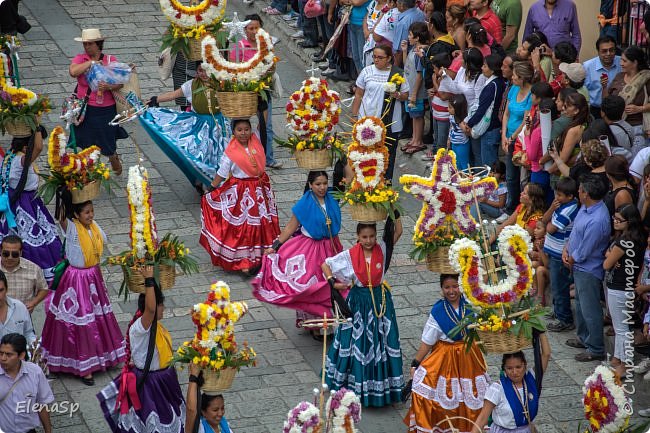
239, 220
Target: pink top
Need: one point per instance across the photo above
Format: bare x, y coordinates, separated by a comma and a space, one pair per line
534, 148
457, 61
82, 84
244, 53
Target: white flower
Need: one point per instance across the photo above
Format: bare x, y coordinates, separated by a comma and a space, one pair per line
390, 87
358, 158
211, 14
623, 404
368, 133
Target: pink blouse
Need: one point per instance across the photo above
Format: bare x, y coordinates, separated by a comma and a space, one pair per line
82, 84
534, 148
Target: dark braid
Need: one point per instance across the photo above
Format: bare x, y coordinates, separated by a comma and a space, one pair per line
18, 145
128, 364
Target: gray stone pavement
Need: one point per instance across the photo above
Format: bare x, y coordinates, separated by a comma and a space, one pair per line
289, 360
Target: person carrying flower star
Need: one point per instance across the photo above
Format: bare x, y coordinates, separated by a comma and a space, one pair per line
441, 361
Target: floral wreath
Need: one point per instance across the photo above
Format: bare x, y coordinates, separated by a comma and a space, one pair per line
206, 12
514, 246
606, 407
369, 131
314, 109
254, 69
144, 236
368, 155
18, 95
304, 418
344, 409
62, 162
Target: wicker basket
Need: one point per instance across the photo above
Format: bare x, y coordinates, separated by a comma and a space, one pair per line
502, 342
120, 95
367, 213
135, 281
89, 192
237, 105
314, 159
217, 382
20, 129
438, 261
195, 50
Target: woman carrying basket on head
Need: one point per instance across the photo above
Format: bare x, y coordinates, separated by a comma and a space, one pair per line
366, 356
239, 218
146, 396
29, 218
81, 334
291, 275
211, 412
440, 362
193, 140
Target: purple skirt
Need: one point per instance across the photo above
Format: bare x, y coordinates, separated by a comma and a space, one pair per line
81, 334
293, 277
163, 405
36, 227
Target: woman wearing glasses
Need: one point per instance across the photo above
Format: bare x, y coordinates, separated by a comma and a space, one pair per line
371, 99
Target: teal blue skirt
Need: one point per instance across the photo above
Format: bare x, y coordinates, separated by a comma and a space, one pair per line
365, 356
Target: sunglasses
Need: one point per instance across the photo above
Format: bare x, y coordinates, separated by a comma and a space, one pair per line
14, 254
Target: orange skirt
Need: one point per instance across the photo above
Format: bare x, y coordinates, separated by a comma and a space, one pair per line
450, 382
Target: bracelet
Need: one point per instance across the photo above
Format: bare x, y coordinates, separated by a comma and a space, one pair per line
194, 379
415, 363
149, 282
331, 278
277, 244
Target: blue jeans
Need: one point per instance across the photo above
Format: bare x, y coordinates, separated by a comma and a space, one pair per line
589, 313
441, 134
357, 41
490, 146
560, 287
309, 26
462, 155
475, 151
512, 182
269, 134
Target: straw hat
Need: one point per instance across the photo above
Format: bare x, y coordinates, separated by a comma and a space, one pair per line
90, 35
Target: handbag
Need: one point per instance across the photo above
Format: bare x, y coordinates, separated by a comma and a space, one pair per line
482, 126
314, 8
73, 102
166, 62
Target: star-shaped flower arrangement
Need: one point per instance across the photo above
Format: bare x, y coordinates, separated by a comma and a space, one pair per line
447, 198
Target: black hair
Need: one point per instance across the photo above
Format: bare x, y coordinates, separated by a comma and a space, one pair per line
613, 107
142, 299
445, 277
517, 355
387, 49
565, 52
12, 239
567, 186
636, 54
575, 84
594, 186
478, 34
17, 341
361, 226
3, 279
470, 21
635, 231
420, 31
25, 145
441, 60
438, 22
206, 399
604, 40
618, 169
535, 40
100, 45
549, 104
254, 17
542, 90
498, 166
494, 62
312, 176
235, 122
473, 60
459, 104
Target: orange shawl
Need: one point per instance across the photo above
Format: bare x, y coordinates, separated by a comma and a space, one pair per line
251, 163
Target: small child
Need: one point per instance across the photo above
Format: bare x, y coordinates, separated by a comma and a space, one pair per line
493, 205
439, 94
559, 218
458, 140
418, 35
540, 263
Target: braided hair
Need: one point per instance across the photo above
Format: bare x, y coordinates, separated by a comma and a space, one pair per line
25, 145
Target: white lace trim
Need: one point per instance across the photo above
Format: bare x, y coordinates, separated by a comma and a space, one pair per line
294, 269
103, 360
229, 254
68, 314
462, 390
229, 199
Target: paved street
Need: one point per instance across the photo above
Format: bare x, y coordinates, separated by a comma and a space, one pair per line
289, 359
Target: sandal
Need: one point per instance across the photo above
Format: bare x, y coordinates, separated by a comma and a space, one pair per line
88, 381
274, 11
412, 150
405, 146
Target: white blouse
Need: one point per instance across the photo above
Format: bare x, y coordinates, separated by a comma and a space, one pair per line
502, 414
227, 167
72, 247
341, 266
139, 339
16, 171
432, 332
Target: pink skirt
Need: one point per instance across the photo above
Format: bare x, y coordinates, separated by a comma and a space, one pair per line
293, 277
81, 334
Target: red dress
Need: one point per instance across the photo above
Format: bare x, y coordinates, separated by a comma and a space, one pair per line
239, 220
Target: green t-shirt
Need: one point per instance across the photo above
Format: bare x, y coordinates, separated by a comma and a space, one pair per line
509, 12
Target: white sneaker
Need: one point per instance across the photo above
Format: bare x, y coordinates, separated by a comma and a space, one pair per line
642, 366
248, 2
289, 17
328, 71
298, 35
644, 413
502, 218
293, 24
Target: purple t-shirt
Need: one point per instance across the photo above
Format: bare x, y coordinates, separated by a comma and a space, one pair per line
561, 26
